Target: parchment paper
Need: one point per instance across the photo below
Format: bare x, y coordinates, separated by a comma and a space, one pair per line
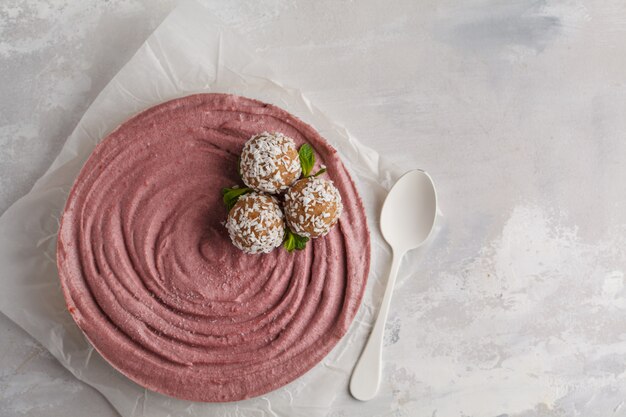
191, 51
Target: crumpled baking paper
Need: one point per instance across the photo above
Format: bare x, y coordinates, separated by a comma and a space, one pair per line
190, 52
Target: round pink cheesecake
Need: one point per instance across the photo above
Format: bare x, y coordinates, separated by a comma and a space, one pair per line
151, 277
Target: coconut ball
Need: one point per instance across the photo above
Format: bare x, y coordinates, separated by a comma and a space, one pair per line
269, 162
312, 207
255, 223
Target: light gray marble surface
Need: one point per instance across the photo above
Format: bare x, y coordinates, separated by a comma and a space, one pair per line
517, 109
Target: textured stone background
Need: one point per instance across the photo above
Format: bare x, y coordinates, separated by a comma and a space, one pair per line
517, 109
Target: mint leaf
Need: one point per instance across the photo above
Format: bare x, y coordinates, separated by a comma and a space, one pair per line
307, 159
320, 172
290, 242
231, 195
293, 241
301, 241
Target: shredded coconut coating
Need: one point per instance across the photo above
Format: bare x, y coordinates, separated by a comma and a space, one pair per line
255, 224
269, 162
312, 207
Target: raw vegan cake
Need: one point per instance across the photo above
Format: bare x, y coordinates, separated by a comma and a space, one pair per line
150, 274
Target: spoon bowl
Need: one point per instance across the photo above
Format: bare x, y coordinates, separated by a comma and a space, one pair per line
409, 211
407, 220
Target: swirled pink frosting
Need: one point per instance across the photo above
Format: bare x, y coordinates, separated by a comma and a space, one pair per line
151, 277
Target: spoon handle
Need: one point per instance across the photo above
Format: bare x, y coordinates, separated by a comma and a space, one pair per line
365, 379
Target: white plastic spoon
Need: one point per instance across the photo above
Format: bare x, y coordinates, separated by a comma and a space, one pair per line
406, 222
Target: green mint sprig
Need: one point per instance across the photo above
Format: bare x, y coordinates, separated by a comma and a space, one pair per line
231, 195
293, 241
307, 159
